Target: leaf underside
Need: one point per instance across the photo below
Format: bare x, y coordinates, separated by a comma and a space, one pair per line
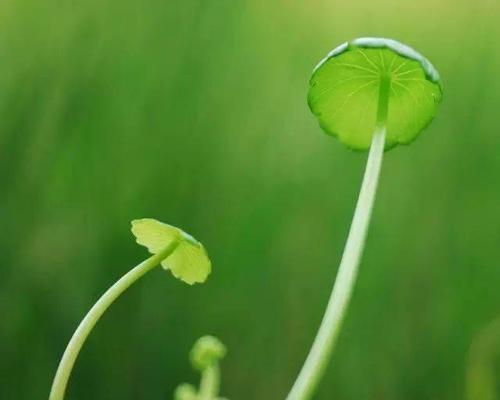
344, 90
189, 262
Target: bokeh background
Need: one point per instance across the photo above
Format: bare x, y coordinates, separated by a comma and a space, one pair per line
194, 112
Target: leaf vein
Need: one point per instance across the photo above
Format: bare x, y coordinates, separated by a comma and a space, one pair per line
350, 95
367, 59
354, 66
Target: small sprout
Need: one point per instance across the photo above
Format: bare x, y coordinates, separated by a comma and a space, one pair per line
174, 250
206, 351
205, 356
373, 94
189, 262
185, 391
345, 86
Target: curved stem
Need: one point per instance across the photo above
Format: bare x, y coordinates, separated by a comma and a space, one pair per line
321, 350
78, 339
210, 382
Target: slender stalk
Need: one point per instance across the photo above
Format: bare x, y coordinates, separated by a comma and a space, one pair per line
78, 339
210, 382
321, 350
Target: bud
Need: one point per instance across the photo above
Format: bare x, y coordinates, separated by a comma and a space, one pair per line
206, 351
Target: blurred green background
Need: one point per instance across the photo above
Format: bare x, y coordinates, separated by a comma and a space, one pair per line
194, 112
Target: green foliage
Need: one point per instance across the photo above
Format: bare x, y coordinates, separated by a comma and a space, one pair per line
205, 356
354, 93
185, 391
344, 91
193, 112
163, 241
189, 262
206, 351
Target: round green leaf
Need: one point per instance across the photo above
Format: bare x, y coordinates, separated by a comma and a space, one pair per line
189, 262
344, 91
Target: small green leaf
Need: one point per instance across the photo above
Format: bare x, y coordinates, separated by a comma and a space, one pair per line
185, 391
344, 88
206, 351
189, 262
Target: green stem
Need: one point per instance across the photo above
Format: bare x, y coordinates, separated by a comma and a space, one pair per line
78, 339
321, 350
210, 383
